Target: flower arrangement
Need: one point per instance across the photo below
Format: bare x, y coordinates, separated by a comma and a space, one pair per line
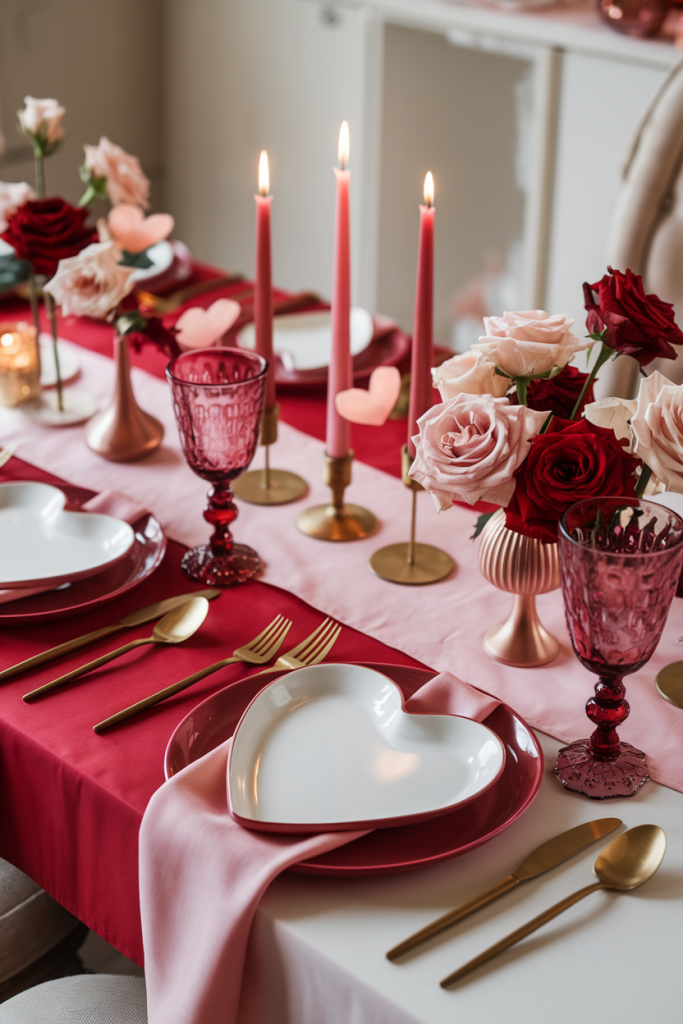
543, 443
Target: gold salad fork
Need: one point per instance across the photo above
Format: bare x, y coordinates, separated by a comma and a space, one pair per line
309, 652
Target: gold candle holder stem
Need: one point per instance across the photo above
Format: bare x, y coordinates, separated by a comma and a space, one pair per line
411, 563
269, 486
337, 521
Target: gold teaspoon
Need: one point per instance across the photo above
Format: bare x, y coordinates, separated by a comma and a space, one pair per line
629, 861
175, 627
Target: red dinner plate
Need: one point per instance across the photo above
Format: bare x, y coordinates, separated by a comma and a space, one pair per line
140, 562
387, 851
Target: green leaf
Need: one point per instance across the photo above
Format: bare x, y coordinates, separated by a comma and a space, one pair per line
546, 423
501, 374
481, 523
13, 271
136, 259
132, 321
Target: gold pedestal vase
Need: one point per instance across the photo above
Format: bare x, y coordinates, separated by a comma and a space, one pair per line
123, 432
524, 567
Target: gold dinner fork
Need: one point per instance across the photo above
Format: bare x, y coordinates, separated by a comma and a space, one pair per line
309, 652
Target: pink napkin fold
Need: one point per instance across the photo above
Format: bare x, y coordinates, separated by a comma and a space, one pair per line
202, 876
107, 503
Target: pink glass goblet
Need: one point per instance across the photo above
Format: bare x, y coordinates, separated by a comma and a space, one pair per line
620, 561
218, 399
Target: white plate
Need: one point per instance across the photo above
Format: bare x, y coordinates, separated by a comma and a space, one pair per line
161, 256
68, 361
44, 545
330, 747
304, 342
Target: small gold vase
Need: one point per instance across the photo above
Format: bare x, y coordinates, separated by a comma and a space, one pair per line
524, 567
123, 432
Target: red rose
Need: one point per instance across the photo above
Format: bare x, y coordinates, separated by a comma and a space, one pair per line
559, 394
638, 325
570, 462
45, 231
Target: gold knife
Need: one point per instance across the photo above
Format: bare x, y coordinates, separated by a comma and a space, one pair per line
142, 615
547, 856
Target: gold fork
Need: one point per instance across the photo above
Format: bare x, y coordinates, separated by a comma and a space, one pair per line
257, 652
309, 652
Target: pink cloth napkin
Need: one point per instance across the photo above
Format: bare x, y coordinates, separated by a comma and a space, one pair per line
108, 503
202, 876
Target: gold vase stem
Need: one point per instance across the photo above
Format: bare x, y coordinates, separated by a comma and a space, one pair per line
411, 545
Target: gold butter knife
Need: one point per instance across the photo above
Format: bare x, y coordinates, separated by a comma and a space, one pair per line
138, 618
547, 856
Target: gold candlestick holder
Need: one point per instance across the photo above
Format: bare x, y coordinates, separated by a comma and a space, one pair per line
411, 563
337, 521
269, 486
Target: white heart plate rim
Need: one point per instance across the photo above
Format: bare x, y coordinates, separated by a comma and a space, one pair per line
52, 505
362, 332
238, 776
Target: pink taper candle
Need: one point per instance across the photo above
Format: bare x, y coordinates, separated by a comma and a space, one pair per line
340, 374
422, 358
263, 292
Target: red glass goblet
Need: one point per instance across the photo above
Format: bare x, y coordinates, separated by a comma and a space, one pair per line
620, 562
218, 400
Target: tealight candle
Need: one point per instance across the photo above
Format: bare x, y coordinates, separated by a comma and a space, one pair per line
19, 363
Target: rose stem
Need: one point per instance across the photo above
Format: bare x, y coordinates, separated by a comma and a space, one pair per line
605, 353
33, 299
643, 480
522, 383
40, 174
52, 313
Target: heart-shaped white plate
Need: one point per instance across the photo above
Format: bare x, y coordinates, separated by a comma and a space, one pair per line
331, 748
43, 545
304, 342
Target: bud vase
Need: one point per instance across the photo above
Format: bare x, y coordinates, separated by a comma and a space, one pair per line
524, 567
123, 432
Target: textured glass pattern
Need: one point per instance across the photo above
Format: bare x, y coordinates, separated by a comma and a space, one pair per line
620, 564
218, 401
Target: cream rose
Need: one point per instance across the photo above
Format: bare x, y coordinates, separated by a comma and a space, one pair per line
657, 427
92, 283
42, 119
614, 413
468, 374
125, 179
13, 194
469, 448
529, 342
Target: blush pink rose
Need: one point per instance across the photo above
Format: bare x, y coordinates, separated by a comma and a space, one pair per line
13, 194
125, 180
468, 374
469, 448
92, 283
529, 342
657, 427
42, 120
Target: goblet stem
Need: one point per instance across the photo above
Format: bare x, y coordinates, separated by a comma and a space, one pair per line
607, 709
221, 512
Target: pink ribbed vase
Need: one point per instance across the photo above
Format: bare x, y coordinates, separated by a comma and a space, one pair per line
523, 567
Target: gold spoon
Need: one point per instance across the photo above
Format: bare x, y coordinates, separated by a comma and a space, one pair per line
629, 861
176, 626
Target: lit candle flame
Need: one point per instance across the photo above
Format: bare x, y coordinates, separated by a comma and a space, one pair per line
429, 189
344, 145
7, 340
263, 174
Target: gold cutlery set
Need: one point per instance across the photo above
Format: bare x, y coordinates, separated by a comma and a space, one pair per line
628, 862
181, 618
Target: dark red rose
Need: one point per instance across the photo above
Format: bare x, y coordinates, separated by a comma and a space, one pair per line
152, 331
45, 231
559, 394
638, 325
573, 460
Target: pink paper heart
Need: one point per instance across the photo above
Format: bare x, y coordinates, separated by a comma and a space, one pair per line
201, 328
134, 232
374, 405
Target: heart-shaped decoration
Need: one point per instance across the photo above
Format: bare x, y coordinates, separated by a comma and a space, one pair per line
134, 232
374, 405
201, 328
45, 545
331, 748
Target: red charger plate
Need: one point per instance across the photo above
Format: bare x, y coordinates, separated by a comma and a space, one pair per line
406, 847
140, 562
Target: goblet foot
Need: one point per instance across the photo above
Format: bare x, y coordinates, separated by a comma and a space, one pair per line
237, 565
579, 770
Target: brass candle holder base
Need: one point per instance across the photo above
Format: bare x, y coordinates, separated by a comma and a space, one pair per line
411, 563
269, 486
337, 521
669, 683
